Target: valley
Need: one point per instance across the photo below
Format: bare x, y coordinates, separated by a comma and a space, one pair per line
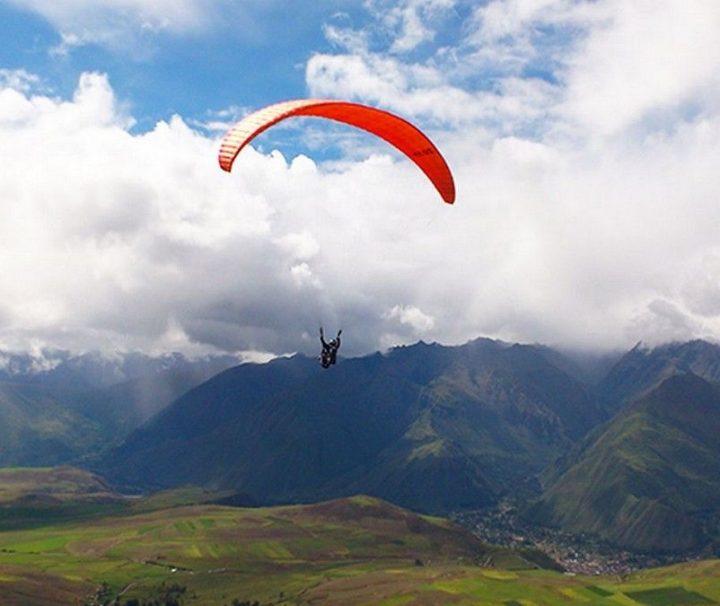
178, 548
488, 473
574, 553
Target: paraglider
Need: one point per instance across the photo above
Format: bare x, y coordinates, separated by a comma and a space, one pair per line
397, 131
328, 355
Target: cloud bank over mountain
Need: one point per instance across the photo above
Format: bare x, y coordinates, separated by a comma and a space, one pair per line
584, 138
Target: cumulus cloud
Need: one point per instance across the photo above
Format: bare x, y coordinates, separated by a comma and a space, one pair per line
101, 228
587, 205
645, 59
114, 239
586, 153
411, 316
446, 85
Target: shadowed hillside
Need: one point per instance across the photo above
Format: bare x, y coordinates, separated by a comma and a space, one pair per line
425, 426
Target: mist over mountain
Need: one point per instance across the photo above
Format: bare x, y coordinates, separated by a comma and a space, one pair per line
56, 407
96, 370
121, 407
642, 369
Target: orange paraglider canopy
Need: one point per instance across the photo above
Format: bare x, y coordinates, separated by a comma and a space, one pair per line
395, 130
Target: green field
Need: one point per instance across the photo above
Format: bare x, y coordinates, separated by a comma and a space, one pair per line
348, 551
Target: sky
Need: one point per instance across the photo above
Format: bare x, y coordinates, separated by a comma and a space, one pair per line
583, 135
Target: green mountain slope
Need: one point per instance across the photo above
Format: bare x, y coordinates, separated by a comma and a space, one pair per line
426, 426
37, 428
650, 479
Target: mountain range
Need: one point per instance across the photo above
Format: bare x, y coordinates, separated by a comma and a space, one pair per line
621, 447
650, 479
425, 426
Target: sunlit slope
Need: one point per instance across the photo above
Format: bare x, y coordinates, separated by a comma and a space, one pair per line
350, 551
246, 551
36, 497
426, 426
651, 479
51, 484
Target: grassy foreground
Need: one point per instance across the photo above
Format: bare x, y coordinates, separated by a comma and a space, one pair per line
351, 551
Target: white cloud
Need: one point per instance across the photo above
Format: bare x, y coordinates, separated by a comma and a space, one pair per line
301, 246
597, 198
440, 86
18, 80
344, 37
647, 58
100, 226
619, 63
409, 22
665, 322
120, 23
68, 42
514, 22
159, 14
587, 205
414, 90
411, 316
121, 240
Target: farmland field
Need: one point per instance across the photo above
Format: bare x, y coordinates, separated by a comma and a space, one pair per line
352, 551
